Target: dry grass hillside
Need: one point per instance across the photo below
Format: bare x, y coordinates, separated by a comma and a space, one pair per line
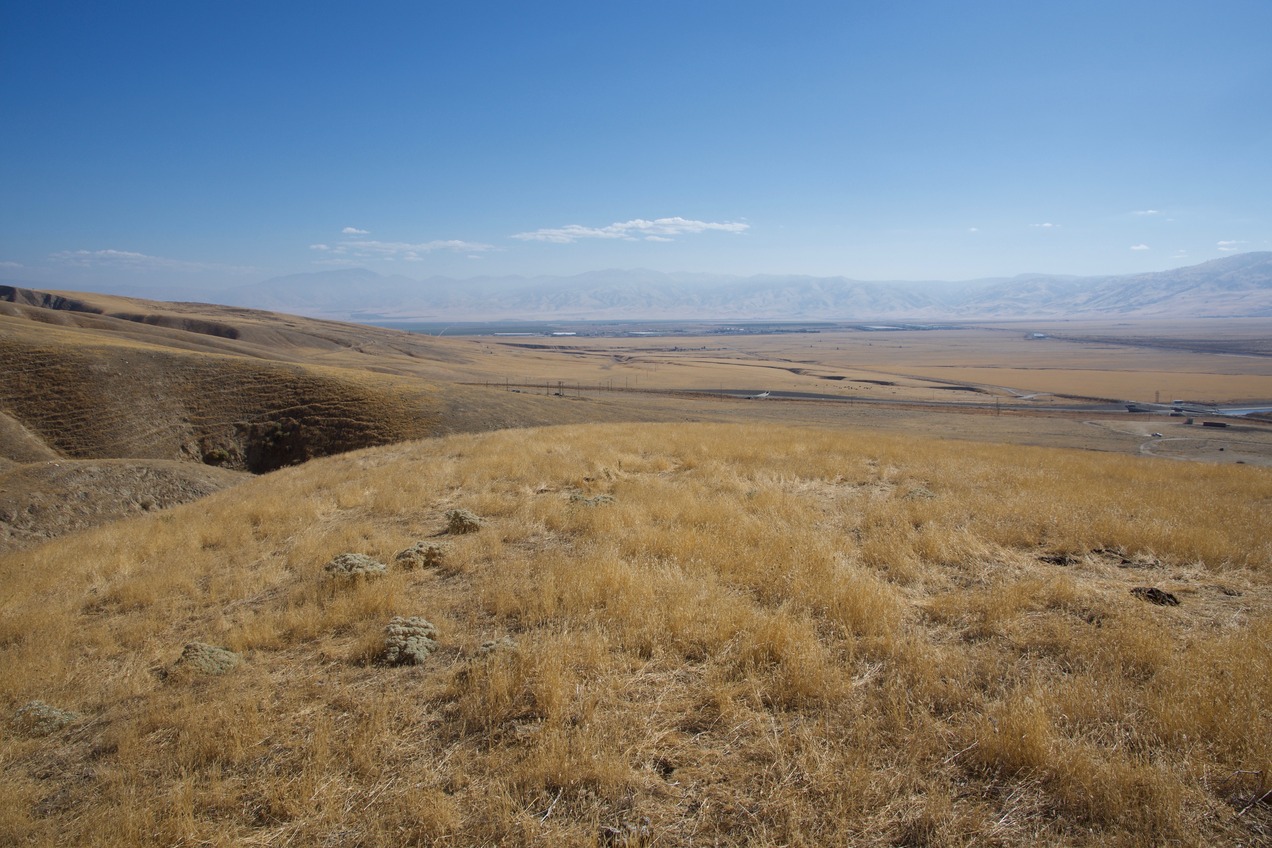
95, 376
103, 393
656, 635
228, 387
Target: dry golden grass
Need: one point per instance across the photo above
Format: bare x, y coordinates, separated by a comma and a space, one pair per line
720, 635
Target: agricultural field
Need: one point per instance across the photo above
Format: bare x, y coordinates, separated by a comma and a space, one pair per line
966, 363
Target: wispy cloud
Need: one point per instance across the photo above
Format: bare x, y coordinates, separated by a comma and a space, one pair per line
1047, 226
1139, 247
973, 229
354, 231
1230, 245
132, 260
394, 250
11, 265
659, 229
1146, 212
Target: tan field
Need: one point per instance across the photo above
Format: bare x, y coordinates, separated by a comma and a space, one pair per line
921, 364
706, 634
678, 620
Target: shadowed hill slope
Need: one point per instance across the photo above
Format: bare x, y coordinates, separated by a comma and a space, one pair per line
87, 400
655, 635
99, 395
94, 376
42, 500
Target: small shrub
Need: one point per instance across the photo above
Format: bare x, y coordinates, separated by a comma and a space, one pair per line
355, 566
39, 719
199, 658
491, 646
461, 521
421, 555
216, 456
408, 641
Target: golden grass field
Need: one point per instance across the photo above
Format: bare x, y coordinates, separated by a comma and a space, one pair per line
684, 620
770, 635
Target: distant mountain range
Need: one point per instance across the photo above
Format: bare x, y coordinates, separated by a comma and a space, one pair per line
1234, 286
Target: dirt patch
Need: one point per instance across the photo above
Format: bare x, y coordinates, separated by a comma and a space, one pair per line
40, 501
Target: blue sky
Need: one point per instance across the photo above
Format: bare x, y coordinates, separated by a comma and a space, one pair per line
202, 144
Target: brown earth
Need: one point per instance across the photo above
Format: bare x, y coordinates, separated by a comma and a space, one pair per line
41, 500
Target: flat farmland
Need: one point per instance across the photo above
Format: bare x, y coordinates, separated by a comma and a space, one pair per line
969, 364
981, 383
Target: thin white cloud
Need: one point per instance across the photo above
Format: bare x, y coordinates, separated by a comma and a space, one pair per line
354, 231
132, 260
1230, 245
1139, 247
1146, 212
397, 250
973, 229
11, 265
659, 229
1047, 226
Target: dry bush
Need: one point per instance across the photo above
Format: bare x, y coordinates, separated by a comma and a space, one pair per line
767, 636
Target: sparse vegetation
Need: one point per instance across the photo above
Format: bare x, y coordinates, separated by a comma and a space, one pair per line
768, 636
422, 554
461, 521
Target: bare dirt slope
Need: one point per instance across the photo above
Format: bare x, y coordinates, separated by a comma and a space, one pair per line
149, 386
18, 444
41, 500
92, 376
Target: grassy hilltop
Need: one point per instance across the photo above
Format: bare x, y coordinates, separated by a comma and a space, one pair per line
680, 619
660, 635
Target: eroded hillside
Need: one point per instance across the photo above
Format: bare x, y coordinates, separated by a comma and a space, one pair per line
103, 394
656, 635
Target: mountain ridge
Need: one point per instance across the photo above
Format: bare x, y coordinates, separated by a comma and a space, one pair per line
1232, 286
1237, 286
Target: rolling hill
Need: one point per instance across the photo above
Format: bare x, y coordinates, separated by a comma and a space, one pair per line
108, 396
647, 635
475, 615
